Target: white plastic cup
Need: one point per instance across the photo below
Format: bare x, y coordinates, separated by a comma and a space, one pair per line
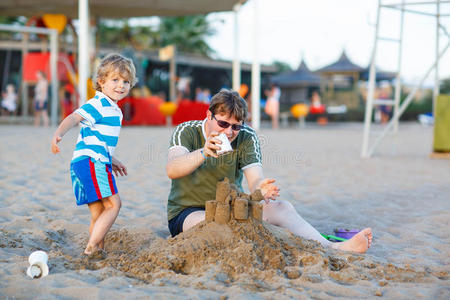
225, 147
38, 264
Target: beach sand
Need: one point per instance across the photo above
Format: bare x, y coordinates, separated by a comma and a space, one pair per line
402, 194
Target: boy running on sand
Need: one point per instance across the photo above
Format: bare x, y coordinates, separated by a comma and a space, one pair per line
92, 161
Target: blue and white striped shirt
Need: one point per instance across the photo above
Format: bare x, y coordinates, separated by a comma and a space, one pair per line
99, 130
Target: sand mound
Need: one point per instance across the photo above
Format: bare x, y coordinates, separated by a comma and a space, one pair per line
233, 249
255, 255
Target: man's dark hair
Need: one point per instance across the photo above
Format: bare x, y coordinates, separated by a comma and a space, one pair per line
230, 103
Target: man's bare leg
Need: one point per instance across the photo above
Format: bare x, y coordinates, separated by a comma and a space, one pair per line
358, 243
193, 219
283, 214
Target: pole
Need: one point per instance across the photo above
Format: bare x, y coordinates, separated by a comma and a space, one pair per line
398, 85
256, 75
6, 69
173, 75
54, 75
371, 90
83, 49
436, 70
236, 62
24, 90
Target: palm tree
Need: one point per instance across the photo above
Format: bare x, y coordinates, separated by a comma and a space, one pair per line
120, 33
188, 33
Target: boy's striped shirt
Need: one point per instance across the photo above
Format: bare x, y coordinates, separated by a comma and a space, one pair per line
100, 129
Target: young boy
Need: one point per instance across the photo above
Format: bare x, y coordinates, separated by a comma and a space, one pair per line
92, 161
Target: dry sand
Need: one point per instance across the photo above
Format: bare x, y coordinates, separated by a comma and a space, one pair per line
401, 193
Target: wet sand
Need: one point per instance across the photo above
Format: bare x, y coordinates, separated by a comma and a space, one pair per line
401, 193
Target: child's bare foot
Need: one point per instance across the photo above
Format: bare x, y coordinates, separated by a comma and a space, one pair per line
99, 254
94, 254
358, 243
90, 250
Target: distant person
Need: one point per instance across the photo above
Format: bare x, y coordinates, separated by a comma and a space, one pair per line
315, 100
318, 109
206, 96
273, 105
183, 88
199, 96
385, 110
9, 100
41, 99
92, 162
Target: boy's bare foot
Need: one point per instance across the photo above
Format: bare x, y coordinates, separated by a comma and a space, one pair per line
90, 250
95, 254
358, 243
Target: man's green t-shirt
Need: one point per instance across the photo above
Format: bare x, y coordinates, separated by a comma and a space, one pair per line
195, 189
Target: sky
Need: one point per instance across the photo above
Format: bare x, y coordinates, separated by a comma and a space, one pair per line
318, 31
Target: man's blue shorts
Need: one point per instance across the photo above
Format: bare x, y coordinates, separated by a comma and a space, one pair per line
92, 180
176, 223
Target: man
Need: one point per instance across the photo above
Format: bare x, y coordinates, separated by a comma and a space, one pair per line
195, 168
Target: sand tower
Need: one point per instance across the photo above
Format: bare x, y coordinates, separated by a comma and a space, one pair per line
231, 204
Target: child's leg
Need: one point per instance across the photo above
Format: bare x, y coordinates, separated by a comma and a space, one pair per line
96, 208
104, 222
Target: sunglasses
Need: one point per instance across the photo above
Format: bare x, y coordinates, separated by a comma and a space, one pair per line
224, 124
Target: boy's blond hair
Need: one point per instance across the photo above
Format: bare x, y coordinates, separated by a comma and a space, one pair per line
115, 63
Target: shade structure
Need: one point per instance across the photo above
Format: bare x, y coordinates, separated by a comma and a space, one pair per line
116, 8
342, 73
300, 77
296, 86
343, 64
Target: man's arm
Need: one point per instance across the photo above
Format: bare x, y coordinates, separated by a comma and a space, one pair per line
255, 179
181, 162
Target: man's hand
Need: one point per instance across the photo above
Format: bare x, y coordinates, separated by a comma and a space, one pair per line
269, 190
212, 145
118, 167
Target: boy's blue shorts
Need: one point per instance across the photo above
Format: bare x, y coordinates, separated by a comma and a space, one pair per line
92, 180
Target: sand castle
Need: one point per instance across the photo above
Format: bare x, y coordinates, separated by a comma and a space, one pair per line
231, 204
